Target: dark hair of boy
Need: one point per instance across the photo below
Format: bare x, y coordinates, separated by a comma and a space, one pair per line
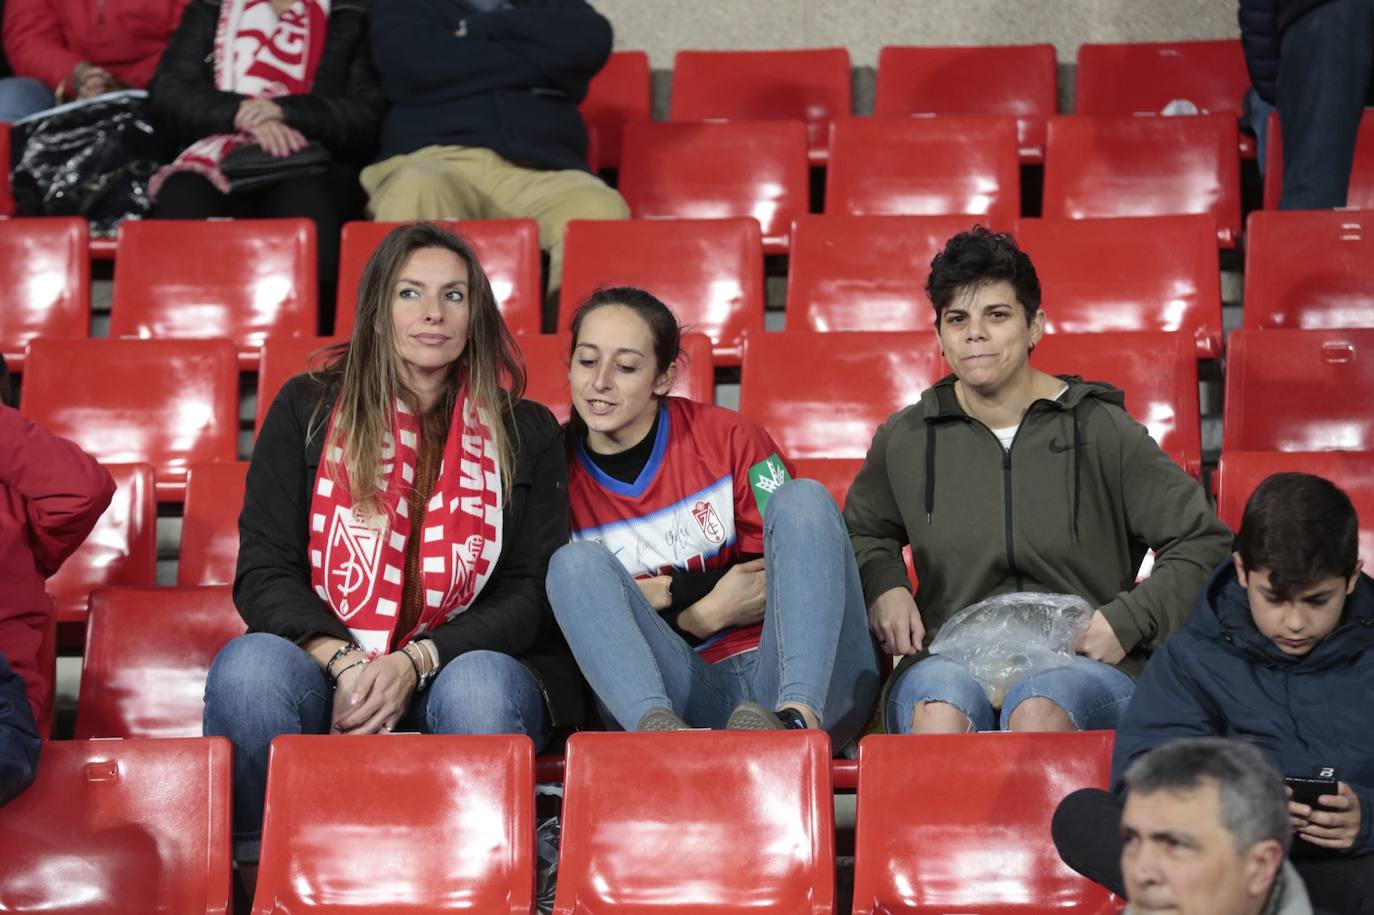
1301, 529
977, 258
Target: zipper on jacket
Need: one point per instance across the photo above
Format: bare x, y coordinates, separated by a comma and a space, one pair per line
1007, 494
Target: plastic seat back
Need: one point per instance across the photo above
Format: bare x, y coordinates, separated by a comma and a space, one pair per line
925, 167
120, 550
708, 271
722, 822
1129, 166
242, 279
823, 395
714, 171
1299, 390
1017, 80
921, 847
1144, 78
47, 292
508, 250
1240, 472
121, 827
209, 524
546, 361
1156, 370
865, 272
1309, 269
398, 823
1140, 273
148, 651
169, 403
1360, 193
619, 93
810, 85
283, 358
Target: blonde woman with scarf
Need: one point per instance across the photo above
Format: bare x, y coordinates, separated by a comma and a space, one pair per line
401, 508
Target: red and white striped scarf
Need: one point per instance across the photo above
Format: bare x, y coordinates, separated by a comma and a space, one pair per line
357, 564
258, 54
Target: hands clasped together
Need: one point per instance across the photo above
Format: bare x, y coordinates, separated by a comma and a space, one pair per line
263, 120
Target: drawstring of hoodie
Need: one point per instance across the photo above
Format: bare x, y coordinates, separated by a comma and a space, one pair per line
930, 470
1077, 467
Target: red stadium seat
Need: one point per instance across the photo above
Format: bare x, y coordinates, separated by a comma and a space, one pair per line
1156, 370
727, 822
1239, 472
120, 550
823, 395
712, 171
47, 289
925, 167
508, 250
209, 524
922, 847
1309, 269
398, 823
1299, 390
619, 93
170, 403
1137, 273
1017, 80
864, 272
244, 279
1129, 166
148, 651
811, 85
1361, 189
283, 358
546, 361
709, 271
121, 827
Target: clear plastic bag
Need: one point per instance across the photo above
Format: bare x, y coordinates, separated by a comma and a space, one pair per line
1007, 637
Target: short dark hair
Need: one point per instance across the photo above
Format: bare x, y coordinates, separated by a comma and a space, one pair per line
1301, 529
663, 325
979, 257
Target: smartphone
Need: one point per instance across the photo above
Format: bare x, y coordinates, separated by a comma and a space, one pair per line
1307, 788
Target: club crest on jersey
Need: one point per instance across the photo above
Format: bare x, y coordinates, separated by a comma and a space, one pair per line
709, 521
361, 544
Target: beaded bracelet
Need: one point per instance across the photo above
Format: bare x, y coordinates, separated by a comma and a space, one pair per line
343, 650
421, 679
361, 663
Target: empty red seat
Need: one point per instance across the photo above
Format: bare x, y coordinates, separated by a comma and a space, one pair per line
1361, 188
1299, 390
1129, 166
282, 359
925, 167
398, 823
1156, 370
1139, 273
47, 291
120, 550
209, 523
723, 822
864, 272
811, 85
712, 171
508, 250
619, 93
169, 403
546, 362
243, 279
709, 271
1309, 269
823, 395
921, 846
121, 827
148, 651
1017, 80
1239, 472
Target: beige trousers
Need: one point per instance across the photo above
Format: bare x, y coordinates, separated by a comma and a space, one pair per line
468, 182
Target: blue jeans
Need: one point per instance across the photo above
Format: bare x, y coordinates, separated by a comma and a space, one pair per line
263, 685
815, 650
21, 96
1091, 693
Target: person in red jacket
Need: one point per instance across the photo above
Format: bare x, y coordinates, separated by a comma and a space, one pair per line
62, 50
51, 495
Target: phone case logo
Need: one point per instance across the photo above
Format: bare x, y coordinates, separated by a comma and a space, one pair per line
709, 521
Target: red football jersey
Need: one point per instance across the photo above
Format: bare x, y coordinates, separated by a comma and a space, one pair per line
697, 505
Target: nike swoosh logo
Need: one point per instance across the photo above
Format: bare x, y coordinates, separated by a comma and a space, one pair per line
1058, 448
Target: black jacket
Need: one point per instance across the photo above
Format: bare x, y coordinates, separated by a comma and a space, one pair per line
512, 614
1219, 676
343, 110
19, 742
508, 80
1262, 24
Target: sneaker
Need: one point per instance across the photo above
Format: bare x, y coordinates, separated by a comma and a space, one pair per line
661, 719
750, 716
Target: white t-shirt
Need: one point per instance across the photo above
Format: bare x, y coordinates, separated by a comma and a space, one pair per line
1007, 433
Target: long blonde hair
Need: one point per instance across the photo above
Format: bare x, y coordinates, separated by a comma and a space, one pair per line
491, 365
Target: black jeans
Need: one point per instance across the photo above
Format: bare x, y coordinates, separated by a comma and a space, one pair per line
1087, 834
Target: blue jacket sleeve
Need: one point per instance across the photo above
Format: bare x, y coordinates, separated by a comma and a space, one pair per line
19, 741
1259, 36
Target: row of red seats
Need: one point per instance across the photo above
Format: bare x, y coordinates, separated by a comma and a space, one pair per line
439, 823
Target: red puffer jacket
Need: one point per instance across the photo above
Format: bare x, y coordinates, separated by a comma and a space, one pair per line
46, 39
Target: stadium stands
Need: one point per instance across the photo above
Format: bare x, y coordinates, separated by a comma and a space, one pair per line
617, 95
1309, 269
209, 523
48, 283
283, 358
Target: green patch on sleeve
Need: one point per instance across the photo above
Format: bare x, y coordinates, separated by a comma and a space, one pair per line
765, 477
